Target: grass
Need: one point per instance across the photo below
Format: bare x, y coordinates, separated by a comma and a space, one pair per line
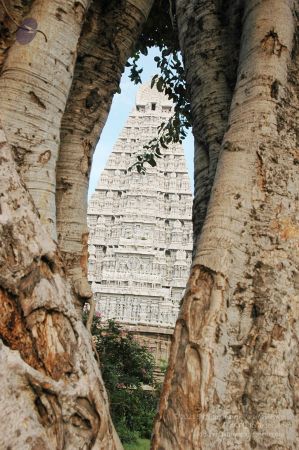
141, 444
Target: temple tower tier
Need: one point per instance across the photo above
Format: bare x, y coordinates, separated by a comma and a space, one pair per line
140, 227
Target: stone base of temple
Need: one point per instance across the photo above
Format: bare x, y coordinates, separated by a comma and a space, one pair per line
157, 339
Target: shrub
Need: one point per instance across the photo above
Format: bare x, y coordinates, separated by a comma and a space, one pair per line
126, 368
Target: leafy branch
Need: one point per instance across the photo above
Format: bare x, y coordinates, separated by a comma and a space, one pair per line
135, 71
171, 81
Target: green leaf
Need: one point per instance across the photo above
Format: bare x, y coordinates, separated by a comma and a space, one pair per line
163, 144
153, 80
152, 162
160, 84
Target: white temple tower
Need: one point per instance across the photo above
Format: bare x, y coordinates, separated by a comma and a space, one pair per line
140, 229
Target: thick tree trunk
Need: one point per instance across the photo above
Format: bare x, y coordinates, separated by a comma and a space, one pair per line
209, 33
46, 355
52, 394
233, 374
34, 85
12, 13
108, 38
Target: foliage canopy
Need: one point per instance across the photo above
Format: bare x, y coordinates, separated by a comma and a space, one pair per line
161, 31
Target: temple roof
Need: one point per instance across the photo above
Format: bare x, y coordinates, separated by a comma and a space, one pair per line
146, 95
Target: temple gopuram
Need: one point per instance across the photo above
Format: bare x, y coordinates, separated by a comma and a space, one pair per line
141, 231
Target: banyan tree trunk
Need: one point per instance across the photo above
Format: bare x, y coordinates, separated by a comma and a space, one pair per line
52, 394
232, 381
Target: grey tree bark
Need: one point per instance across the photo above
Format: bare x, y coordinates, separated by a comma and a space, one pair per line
52, 394
33, 99
107, 40
232, 380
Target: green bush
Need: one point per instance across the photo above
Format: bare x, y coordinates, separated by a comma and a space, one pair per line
126, 367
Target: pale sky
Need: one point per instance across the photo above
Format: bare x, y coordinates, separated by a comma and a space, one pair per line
120, 110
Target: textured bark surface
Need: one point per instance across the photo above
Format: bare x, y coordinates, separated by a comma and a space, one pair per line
209, 33
47, 363
52, 394
107, 40
12, 13
232, 380
33, 99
